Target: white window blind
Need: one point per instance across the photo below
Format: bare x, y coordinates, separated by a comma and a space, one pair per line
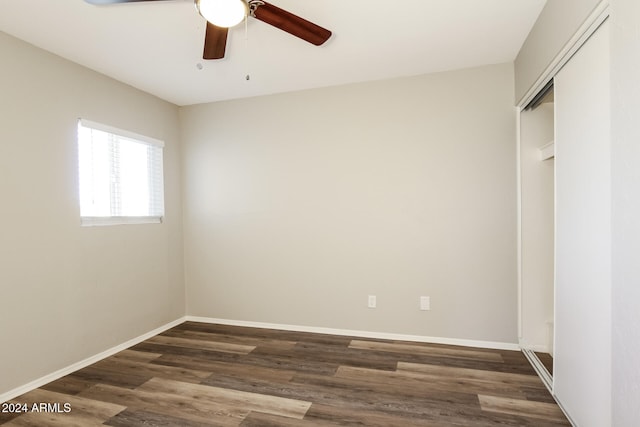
120, 176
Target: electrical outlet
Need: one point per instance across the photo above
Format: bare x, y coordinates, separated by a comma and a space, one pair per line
372, 301
425, 303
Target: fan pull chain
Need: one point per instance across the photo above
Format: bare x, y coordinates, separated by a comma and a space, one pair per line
246, 46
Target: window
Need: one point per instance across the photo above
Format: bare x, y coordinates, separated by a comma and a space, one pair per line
120, 176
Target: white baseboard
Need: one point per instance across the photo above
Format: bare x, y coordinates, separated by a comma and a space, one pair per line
11, 394
361, 334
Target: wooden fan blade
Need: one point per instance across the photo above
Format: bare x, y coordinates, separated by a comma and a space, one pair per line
115, 1
215, 42
292, 24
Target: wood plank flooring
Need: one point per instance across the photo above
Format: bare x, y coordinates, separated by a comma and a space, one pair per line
213, 375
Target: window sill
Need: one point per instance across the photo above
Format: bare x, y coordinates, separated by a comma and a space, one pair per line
90, 221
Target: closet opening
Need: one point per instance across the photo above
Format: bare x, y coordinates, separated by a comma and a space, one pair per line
537, 212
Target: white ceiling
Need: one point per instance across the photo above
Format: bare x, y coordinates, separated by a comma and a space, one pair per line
157, 46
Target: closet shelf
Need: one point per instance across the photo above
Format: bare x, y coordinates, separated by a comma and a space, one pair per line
547, 151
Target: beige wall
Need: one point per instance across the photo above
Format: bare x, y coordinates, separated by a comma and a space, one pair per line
557, 23
69, 292
297, 206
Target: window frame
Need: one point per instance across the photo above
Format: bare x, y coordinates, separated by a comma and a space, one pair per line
137, 138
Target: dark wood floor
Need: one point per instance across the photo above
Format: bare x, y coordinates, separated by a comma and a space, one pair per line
212, 375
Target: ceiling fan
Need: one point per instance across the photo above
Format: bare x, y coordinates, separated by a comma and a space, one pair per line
222, 14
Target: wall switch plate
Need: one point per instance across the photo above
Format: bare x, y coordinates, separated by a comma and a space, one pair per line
372, 301
425, 303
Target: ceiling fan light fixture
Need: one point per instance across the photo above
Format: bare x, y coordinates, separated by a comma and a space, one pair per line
222, 13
